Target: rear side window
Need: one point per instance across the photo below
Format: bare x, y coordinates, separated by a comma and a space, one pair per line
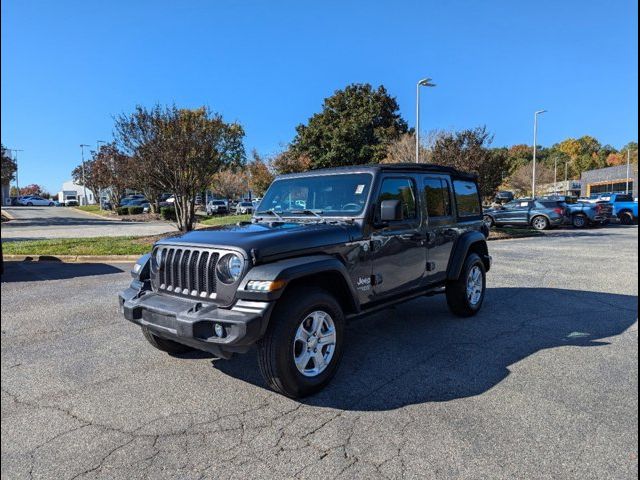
624, 198
436, 194
467, 198
550, 204
400, 189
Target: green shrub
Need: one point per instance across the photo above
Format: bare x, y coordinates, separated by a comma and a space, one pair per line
168, 213
122, 211
137, 210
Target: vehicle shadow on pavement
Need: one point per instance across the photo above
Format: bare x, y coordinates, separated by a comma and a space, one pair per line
42, 271
418, 352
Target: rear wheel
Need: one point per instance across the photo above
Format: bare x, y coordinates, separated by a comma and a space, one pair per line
163, 344
302, 348
466, 294
580, 221
540, 223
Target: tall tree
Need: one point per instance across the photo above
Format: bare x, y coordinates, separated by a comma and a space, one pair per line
180, 150
9, 166
260, 176
229, 184
468, 150
355, 126
290, 161
520, 180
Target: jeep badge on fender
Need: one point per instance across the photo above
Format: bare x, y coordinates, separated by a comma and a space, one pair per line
322, 248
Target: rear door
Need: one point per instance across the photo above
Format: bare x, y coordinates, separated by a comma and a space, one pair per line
441, 232
398, 250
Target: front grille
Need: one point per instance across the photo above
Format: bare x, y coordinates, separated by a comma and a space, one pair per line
185, 271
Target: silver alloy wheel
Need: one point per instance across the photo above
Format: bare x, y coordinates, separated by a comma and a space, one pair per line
474, 286
539, 223
314, 343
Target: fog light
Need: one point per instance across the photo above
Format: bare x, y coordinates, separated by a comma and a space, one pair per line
219, 329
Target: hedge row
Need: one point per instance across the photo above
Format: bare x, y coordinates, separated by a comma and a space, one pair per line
129, 210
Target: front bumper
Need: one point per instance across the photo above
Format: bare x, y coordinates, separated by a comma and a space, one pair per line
191, 322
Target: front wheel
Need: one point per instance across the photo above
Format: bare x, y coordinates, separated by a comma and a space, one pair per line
302, 348
466, 294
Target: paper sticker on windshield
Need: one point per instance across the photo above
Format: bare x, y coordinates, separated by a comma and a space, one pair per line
359, 189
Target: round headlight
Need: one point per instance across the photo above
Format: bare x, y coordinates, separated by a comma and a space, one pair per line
230, 268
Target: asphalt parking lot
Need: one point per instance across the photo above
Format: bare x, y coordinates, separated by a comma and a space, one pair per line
542, 384
32, 223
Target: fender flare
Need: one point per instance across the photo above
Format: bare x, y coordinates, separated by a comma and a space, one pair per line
460, 250
292, 269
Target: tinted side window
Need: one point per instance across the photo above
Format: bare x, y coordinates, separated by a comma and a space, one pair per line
624, 198
400, 189
467, 198
436, 194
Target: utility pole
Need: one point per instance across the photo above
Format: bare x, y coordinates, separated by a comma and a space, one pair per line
84, 183
425, 82
535, 146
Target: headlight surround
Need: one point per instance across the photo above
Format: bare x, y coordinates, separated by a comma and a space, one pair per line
230, 268
140, 270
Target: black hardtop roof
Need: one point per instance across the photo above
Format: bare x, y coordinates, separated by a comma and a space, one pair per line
386, 167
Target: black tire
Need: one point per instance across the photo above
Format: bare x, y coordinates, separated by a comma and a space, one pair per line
165, 345
488, 221
276, 348
580, 221
540, 222
456, 290
51, 204
626, 218
29, 204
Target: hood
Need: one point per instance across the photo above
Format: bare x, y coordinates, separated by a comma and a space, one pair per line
270, 238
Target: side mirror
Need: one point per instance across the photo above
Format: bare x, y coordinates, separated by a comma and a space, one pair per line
390, 210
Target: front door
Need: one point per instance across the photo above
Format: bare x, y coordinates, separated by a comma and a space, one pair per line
398, 247
441, 232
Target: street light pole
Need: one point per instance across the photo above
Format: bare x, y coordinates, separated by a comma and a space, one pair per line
535, 145
628, 169
84, 183
425, 82
14, 155
98, 142
555, 176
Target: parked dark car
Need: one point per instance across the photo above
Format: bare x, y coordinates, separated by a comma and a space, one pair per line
537, 213
585, 214
368, 238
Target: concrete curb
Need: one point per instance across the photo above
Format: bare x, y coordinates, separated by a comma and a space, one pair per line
72, 258
103, 217
7, 215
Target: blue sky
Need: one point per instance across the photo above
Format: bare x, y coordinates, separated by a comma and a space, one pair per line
68, 67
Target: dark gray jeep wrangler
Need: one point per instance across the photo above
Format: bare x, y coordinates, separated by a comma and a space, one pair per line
323, 247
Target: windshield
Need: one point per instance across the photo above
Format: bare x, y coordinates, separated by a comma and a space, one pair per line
329, 195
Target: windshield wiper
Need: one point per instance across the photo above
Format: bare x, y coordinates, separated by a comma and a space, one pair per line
273, 213
306, 211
